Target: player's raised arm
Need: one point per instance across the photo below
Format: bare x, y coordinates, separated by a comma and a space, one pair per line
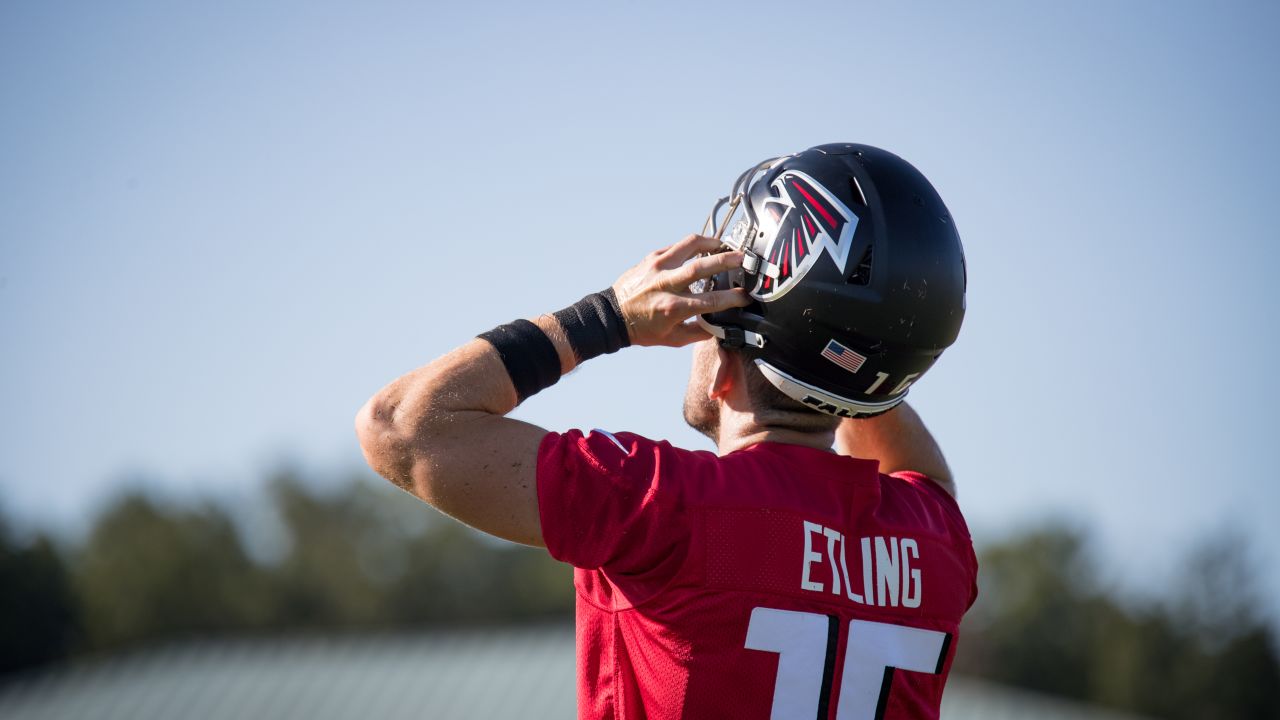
440, 431
900, 441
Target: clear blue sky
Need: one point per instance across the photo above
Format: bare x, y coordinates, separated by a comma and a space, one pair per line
223, 226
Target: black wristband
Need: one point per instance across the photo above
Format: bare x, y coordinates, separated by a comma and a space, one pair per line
528, 354
594, 325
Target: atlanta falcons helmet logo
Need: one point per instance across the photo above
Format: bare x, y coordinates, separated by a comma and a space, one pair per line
803, 222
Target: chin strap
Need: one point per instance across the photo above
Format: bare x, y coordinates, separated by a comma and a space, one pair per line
731, 336
752, 263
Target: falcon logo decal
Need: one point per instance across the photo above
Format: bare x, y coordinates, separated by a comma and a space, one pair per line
803, 220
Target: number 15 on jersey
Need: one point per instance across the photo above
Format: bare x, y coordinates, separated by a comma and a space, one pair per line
806, 646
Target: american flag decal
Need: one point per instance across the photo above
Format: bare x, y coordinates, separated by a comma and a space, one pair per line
843, 356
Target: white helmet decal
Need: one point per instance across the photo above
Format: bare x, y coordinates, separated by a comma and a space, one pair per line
804, 220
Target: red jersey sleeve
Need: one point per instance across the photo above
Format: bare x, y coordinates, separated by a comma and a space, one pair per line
605, 502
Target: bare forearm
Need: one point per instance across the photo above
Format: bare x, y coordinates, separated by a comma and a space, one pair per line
441, 433
899, 440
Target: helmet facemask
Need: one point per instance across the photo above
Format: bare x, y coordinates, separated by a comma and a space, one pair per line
734, 223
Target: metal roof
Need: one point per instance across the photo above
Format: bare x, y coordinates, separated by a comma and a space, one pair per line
498, 673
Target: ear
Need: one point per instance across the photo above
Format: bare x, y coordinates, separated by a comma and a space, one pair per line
728, 375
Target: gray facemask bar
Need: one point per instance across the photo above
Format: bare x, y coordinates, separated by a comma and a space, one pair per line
738, 195
752, 263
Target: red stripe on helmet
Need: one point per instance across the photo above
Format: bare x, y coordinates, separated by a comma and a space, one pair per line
821, 210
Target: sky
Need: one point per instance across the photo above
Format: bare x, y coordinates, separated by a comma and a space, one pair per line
224, 225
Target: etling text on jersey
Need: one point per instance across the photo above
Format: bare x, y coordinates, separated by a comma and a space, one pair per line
887, 578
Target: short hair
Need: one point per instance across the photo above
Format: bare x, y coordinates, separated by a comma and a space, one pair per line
771, 404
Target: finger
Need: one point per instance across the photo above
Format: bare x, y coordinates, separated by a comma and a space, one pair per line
659, 252
691, 245
703, 267
715, 301
685, 334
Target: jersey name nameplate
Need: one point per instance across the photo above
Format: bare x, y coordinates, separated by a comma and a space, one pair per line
782, 552
887, 577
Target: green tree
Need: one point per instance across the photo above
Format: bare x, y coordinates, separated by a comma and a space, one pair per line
338, 559
1038, 605
364, 555
1044, 622
39, 618
1229, 667
147, 573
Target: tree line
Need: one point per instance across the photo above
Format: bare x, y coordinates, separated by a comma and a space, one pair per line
359, 557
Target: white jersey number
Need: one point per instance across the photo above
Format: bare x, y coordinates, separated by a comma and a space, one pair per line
806, 647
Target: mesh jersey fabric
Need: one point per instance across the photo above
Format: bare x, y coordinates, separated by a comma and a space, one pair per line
778, 581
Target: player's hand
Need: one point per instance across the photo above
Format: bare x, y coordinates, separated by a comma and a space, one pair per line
655, 298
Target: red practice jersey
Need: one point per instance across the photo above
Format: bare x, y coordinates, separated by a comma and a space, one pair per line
777, 582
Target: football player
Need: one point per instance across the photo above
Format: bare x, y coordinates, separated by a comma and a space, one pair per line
775, 578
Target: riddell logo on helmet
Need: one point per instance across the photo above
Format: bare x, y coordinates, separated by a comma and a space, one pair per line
826, 407
803, 220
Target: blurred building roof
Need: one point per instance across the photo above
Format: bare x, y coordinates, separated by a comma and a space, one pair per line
499, 673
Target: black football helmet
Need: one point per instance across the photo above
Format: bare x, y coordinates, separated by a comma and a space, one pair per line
855, 270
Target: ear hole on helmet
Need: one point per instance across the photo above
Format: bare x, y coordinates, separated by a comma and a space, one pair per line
862, 273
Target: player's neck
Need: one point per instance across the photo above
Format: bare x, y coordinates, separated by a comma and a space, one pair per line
741, 430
